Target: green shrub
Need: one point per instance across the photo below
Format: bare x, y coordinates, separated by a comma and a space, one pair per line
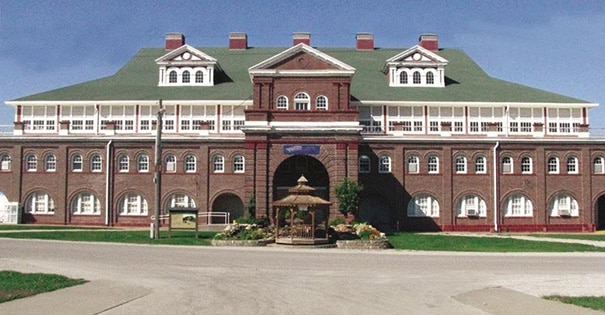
337, 221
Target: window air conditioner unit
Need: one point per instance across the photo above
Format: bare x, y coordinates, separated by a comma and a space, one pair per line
171, 167
564, 213
472, 213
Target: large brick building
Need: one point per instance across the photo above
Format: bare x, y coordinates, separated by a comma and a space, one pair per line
436, 142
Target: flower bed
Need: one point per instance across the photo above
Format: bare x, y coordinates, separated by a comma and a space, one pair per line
360, 236
244, 235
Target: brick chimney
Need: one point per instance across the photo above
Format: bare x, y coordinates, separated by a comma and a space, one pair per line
364, 41
238, 41
429, 41
174, 40
301, 37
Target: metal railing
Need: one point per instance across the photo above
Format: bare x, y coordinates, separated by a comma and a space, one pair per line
226, 216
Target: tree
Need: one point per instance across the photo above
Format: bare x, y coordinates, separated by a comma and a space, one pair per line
252, 205
347, 194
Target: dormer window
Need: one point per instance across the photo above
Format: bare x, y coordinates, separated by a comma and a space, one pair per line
416, 66
186, 66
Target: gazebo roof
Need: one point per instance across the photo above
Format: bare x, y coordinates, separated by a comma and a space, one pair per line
300, 195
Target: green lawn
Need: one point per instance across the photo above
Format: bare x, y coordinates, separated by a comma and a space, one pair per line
12, 227
588, 236
593, 302
118, 236
16, 285
440, 242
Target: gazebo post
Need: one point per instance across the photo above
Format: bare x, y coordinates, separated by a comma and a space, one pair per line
312, 223
291, 224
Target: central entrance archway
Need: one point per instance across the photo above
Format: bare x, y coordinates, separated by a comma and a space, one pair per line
290, 170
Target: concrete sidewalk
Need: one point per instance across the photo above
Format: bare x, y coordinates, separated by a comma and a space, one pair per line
97, 297
94, 297
503, 301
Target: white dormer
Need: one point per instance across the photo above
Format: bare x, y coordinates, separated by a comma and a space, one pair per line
417, 67
186, 66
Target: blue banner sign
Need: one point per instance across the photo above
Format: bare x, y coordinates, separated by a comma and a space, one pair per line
308, 149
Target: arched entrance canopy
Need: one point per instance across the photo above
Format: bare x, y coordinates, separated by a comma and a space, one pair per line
305, 220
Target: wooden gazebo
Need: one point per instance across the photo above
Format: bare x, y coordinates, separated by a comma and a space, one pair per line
301, 218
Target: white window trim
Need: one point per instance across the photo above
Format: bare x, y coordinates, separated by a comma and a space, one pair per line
384, 164
479, 205
483, 163
557, 165
218, 164
570, 208
78, 204
190, 164
415, 208
140, 205
462, 162
365, 158
531, 166
431, 164
239, 164
526, 209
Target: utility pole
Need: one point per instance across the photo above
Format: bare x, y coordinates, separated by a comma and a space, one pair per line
157, 179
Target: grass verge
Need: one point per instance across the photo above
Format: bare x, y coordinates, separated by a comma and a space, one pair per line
118, 236
592, 302
16, 285
436, 242
588, 237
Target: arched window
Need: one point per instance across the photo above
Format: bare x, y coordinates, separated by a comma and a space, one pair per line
433, 164
50, 163
199, 76
186, 76
416, 77
572, 165
460, 165
238, 164
384, 164
190, 164
526, 165
86, 203
96, 163
471, 205
123, 163
321, 103
403, 77
282, 102
553, 165
598, 165
423, 205
170, 163
31, 163
563, 205
132, 204
76, 163
413, 166
480, 165
430, 78
301, 101
5, 162
172, 77
507, 165
219, 163
181, 201
364, 164
143, 163
40, 202
518, 205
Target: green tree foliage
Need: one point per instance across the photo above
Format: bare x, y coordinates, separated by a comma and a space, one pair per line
347, 194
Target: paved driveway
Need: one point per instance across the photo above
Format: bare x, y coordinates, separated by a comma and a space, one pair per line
209, 280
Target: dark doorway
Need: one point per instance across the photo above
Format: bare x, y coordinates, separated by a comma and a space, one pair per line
600, 219
290, 170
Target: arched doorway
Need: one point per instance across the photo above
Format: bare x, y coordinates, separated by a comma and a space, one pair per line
600, 219
229, 203
290, 170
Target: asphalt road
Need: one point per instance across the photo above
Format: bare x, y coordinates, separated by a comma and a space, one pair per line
272, 280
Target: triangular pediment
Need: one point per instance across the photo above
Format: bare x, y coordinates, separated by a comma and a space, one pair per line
186, 55
301, 59
417, 55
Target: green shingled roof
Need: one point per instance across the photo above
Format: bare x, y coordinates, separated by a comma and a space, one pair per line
138, 80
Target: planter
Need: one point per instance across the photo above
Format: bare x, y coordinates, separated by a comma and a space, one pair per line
242, 243
364, 244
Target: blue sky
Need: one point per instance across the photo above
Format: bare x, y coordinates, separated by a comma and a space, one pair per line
552, 45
